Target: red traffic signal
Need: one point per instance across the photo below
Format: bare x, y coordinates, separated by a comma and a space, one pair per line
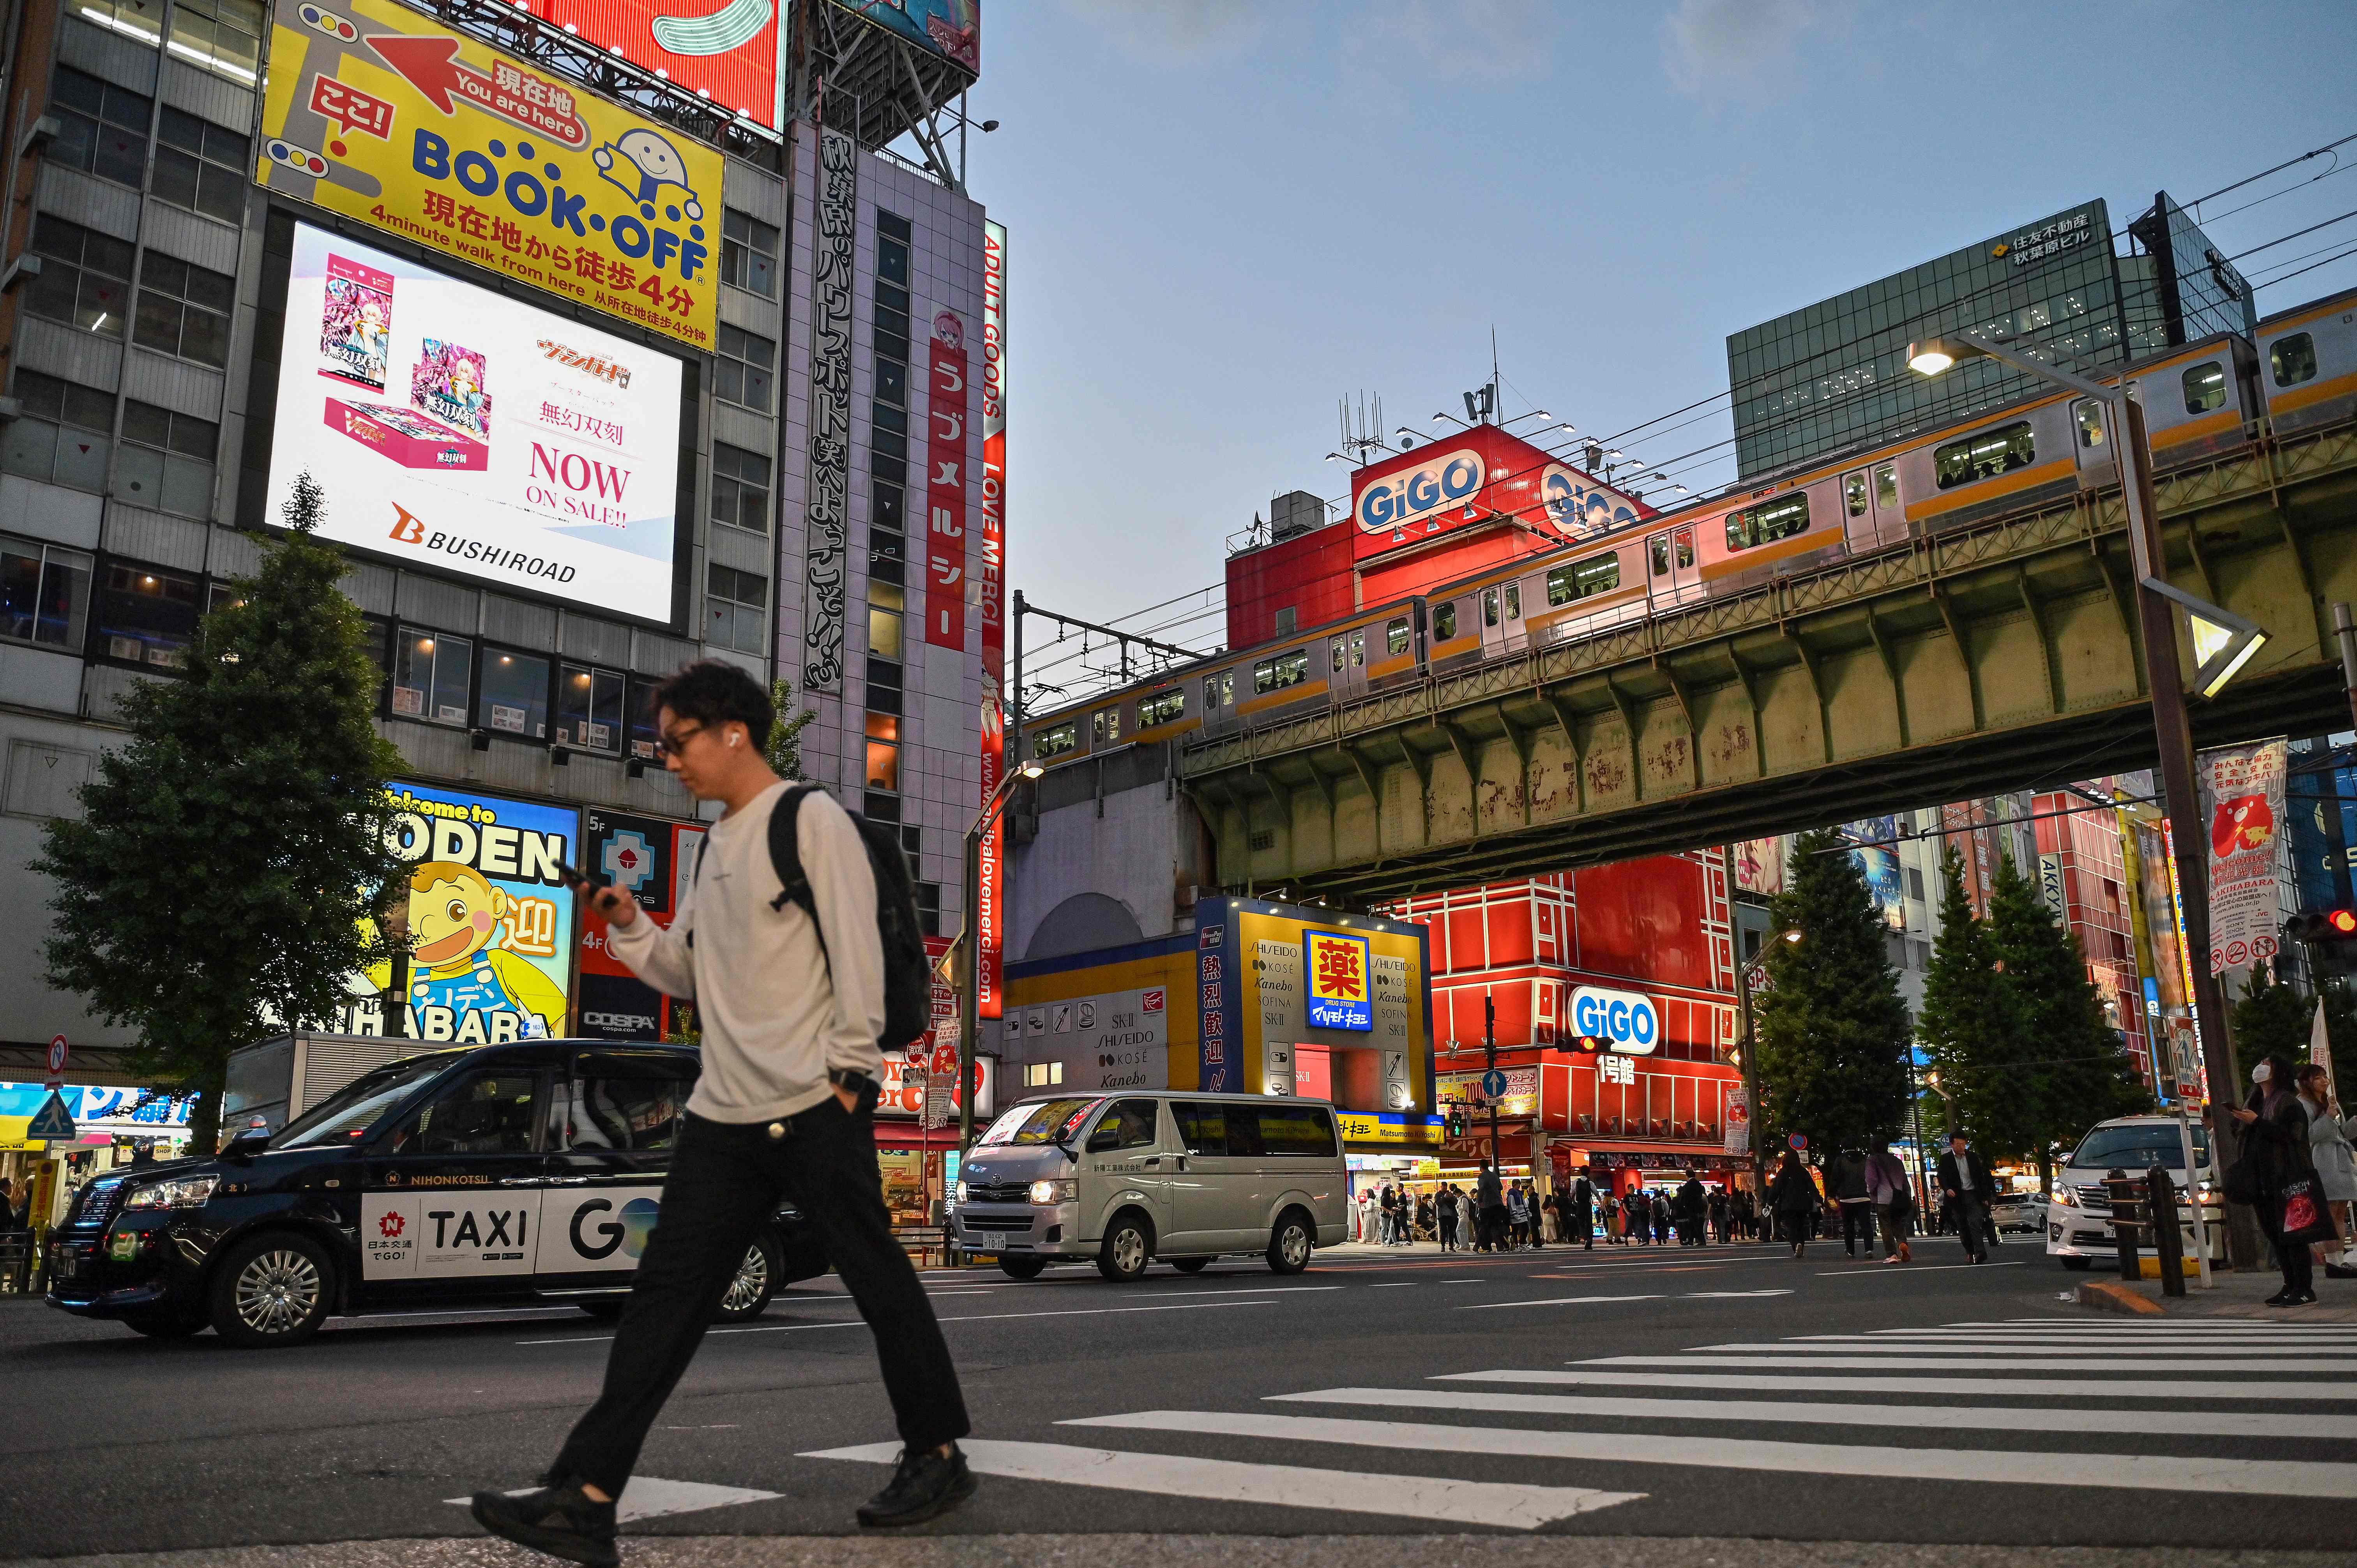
2322, 926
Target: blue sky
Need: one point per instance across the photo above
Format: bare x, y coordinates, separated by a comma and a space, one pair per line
1225, 215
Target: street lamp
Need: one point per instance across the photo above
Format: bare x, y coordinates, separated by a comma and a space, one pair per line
1747, 1054
970, 988
2223, 643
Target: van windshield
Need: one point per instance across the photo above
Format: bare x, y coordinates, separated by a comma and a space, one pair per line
1043, 1121
2138, 1147
348, 1115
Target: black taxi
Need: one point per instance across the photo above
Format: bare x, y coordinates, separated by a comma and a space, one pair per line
494, 1176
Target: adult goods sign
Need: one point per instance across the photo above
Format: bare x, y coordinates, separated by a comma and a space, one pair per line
2243, 803
374, 112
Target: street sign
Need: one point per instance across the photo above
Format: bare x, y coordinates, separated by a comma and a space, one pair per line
1493, 1084
57, 1060
50, 1123
1799, 1142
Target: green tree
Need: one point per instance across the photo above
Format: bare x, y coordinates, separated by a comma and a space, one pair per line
2078, 1070
1972, 1028
1832, 1033
784, 747
2275, 1015
221, 880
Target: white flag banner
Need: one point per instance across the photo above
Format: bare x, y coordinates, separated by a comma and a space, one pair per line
2242, 802
1739, 1120
2319, 1051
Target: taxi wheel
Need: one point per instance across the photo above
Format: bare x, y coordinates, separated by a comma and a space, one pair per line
271, 1290
1289, 1243
749, 1294
1022, 1268
1127, 1248
1190, 1265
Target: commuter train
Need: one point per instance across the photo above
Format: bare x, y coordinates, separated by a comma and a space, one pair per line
2200, 401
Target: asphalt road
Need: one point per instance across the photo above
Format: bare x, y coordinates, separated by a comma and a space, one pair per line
1625, 1392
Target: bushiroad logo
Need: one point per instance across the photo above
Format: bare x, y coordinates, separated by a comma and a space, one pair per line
408, 528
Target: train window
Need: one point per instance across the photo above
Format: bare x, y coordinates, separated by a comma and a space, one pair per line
2205, 388
1771, 520
1513, 601
1596, 574
1219, 690
1660, 555
1342, 654
1685, 537
1488, 607
1055, 742
1983, 457
2293, 359
1284, 670
1358, 650
2091, 423
1395, 635
1162, 708
1107, 726
1886, 486
1854, 494
1444, 621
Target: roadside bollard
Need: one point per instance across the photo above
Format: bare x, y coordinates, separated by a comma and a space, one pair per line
2161, 1204
2128, 1202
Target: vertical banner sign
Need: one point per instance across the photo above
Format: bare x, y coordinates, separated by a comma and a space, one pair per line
992, 602
828, 511
2198, 1079
945, 402
990, 891
2242, 802
1738, 1104
653, 860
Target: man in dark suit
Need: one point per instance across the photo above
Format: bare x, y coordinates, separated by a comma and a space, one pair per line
1968, 1183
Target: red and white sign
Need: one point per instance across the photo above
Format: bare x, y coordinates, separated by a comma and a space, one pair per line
905, 1087
57, 1060
2242, 802
992, 570
1475, 476
945, 416
729, 55
990, 893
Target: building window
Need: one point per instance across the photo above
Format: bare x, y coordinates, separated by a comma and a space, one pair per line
198, 165
1596, 574
736, 607
1284, 670
1762, 524
85, 277
929, 907
147, 615
885, 603
1282, 625
639, 716
2293, 359
884, 557
1105, 725
431, 676
102, 128
748, 253
222, 36
514, 699
2205, 388
892, 382
44, 593
743, 373
1983, 457
589, 708
1056, 740
140, 19
1162, 708
1218, 691
1042, 1075
889, 439
741, 488
184, 309
166, 459
884, 752
62, 435
883, 686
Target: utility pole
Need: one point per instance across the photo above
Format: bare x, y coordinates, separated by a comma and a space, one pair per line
1490, 1052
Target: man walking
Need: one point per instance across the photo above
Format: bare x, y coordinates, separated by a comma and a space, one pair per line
1579, 1213
1967, 1184
791, 1009
1489, 1209
1886, 1182
1856, 1203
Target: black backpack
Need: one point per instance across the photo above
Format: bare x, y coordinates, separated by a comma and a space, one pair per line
908, 973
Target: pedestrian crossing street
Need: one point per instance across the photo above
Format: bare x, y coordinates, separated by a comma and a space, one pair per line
1882, 1402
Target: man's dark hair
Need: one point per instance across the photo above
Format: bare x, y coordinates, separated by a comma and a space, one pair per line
716, 694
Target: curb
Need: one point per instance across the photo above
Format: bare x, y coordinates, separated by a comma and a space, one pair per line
2109, 1295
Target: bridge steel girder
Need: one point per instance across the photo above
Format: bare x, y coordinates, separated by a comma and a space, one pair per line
1992, 658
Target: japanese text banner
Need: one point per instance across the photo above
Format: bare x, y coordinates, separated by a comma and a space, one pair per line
373, 112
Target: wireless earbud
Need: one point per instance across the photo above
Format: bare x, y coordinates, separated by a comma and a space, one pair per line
735, 739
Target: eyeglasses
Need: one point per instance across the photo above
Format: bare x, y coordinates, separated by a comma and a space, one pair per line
671, 742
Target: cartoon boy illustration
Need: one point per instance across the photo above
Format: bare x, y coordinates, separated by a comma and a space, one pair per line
643, 166
454, 916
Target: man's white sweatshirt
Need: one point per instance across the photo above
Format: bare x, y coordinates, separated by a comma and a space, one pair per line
776, 1010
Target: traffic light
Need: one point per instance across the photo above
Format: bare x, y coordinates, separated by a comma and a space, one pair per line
1456, 1123
2322, 926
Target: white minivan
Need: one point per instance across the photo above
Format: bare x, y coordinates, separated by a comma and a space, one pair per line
1120, 1179
2079, 1218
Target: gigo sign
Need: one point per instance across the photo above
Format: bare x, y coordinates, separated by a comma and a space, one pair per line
1412, 495
1578, 506
1623, 1020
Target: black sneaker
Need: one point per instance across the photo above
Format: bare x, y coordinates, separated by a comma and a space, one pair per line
556, 1519
922, 1486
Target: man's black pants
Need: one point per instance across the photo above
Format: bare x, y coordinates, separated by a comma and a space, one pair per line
1857, 1221
724, 1180
1972, 1225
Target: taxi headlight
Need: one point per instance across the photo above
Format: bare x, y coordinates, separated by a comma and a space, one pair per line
1064, 1190
180, 1192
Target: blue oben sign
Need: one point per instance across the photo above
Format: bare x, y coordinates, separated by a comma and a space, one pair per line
1624, 1020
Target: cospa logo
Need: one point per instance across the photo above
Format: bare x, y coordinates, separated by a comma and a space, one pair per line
1578, 506
1623, 1020
1412, 495
617, 1021
627, 1231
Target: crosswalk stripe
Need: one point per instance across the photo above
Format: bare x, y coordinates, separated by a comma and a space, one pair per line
2141, 1472
2310, 1392
1291, 1486
1987, 1418
1557, 1301
2117, 1336
1987, 1364
1885, 1348
646, 1497
2179, 1326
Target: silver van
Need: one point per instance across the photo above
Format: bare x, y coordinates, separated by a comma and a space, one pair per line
1121, 1179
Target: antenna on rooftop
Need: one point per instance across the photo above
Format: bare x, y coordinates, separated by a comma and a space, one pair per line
1362, 427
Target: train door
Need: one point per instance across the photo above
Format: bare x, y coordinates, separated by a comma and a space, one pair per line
2091, 434
1672, 576
1858, 511
1890, 516
1347, 658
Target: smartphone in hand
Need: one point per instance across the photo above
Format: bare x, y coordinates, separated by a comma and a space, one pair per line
608, 901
